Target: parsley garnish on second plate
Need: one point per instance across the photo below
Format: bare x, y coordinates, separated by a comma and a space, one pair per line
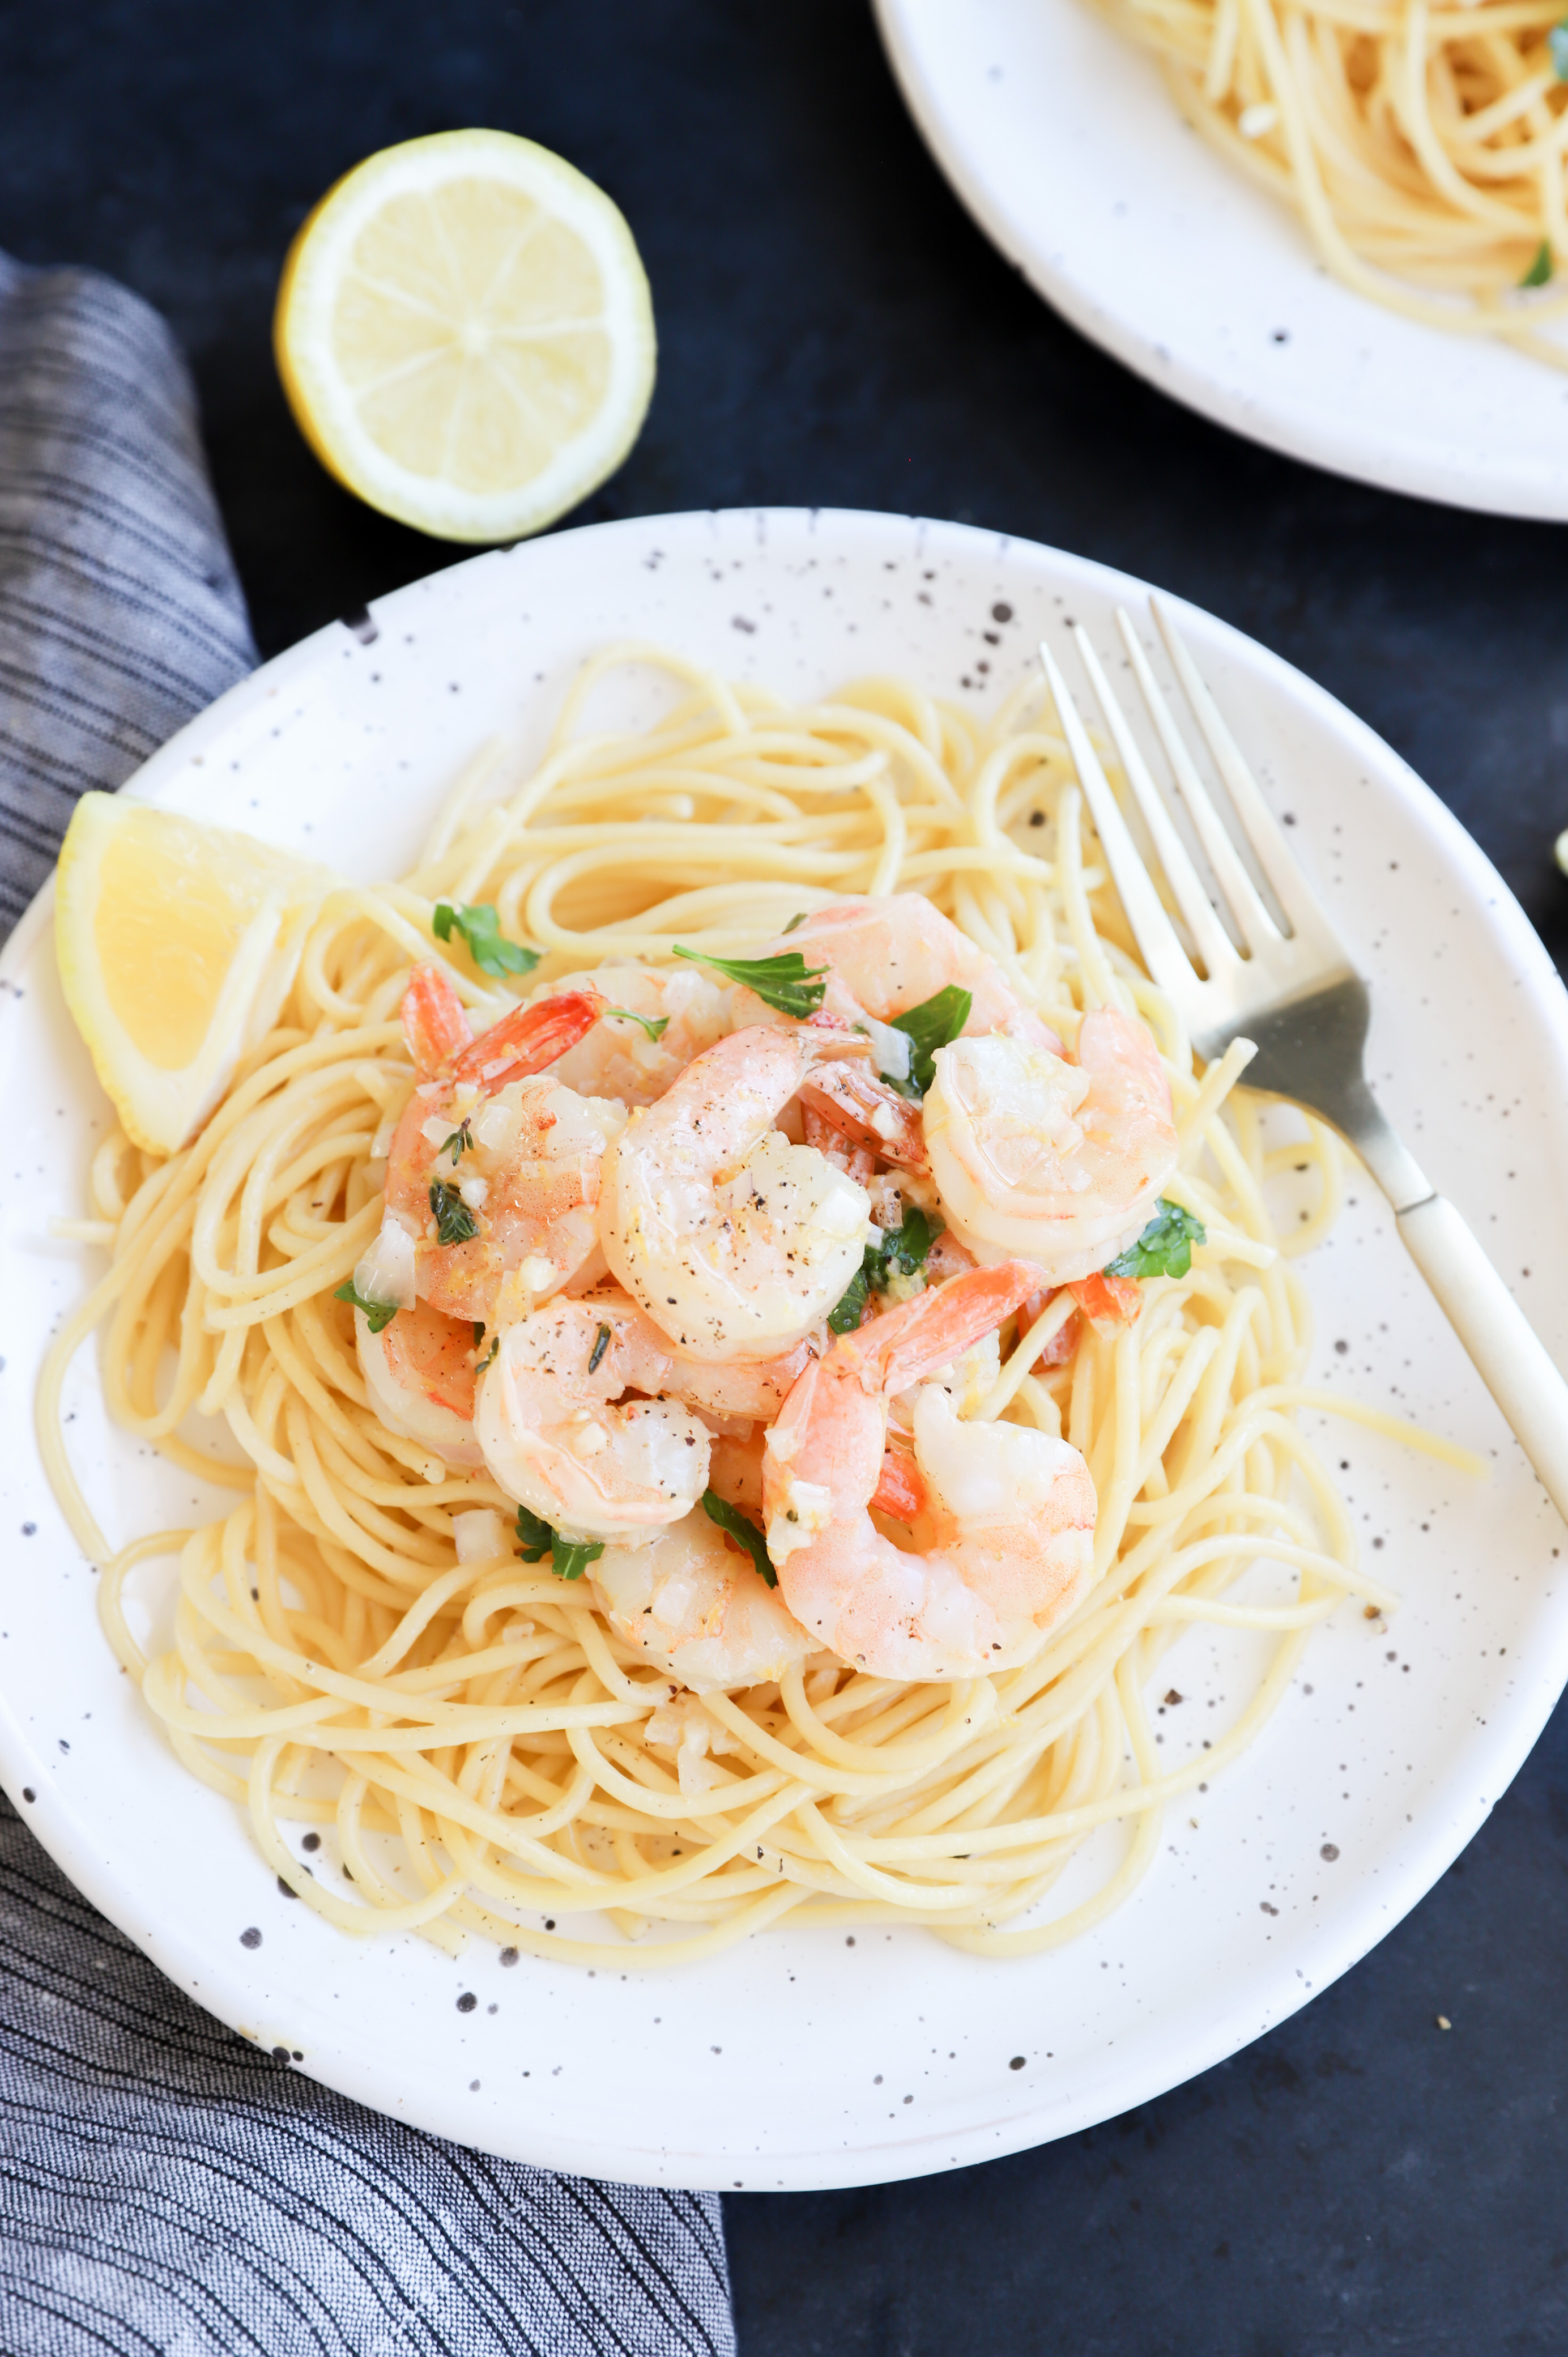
377, 1314
785, 983
454, 1223
901, 1253
744, 1531
481, 929
569, 1558
1164, 1248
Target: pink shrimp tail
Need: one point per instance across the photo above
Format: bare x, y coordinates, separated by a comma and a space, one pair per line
901, 1491
433, 1021
529, 1039
905, 1345
441, 1039
1109, 1302
864, 1110
433, 1355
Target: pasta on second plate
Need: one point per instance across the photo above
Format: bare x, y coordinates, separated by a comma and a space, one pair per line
1422, 146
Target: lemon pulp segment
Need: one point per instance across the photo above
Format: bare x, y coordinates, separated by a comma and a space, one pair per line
164, 934
177, 944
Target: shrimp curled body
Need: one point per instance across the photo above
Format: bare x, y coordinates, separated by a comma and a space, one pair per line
419, 1373
511, 1154
884, 957
1003, 1538
560, 1435
1061, 1161
734, 1241
692, 1604
621, 1057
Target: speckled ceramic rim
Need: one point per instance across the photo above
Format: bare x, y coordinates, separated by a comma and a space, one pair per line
1018, 2117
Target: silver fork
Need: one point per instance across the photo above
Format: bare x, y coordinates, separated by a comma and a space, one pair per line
1297, 996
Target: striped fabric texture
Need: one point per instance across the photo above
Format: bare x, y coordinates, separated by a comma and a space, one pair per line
165, 2186
120, 614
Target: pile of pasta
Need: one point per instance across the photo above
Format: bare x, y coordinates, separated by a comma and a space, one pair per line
471, 1748
1422, 146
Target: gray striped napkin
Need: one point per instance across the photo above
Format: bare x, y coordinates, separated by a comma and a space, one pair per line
165, 2186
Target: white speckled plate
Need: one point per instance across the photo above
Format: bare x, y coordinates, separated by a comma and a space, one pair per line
1061, 138
809, 2059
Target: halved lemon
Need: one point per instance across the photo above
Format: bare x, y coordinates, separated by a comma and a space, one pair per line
464, 334
177, 945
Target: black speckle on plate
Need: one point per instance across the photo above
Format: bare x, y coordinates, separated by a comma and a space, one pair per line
251, 1937
467, 2001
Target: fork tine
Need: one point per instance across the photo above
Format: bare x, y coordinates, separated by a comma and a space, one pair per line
1152, 930
1214, 944
1273, 854
1258, 928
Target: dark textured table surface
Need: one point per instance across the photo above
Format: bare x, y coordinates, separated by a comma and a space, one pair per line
833, 331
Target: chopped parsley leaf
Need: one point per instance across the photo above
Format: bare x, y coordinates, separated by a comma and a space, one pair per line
742, 1529
569, 1558
847, 1316
1164, 1248
377, 1314
454, 1223
935, 1023
655, 1026
533, 1536
601, 1344
1539, 270
799, 918
901, 1253
904, 1250
785, 983
481, 1364
460, 1142
481, 927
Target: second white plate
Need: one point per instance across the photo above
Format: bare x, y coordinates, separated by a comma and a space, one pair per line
1062, 139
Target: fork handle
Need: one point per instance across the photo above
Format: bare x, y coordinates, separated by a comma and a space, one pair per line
1513, 1360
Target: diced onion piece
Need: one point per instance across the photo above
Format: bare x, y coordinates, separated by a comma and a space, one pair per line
480, 1535
893, 1049
386, 1271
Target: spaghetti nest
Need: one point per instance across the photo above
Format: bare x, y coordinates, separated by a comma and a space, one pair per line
481, 1753
1422, 146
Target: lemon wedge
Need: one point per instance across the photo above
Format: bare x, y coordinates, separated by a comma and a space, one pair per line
177, 945
464, 334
